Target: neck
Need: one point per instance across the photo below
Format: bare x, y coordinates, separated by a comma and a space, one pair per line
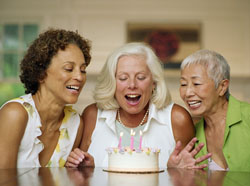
217, 118
132, 122
51, 113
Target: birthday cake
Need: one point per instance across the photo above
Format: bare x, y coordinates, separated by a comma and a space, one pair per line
133, 160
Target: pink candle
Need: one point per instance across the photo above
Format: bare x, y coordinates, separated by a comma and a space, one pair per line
140, 140
120, 140
132, 139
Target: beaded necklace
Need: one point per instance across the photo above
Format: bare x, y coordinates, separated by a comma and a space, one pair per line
141, 123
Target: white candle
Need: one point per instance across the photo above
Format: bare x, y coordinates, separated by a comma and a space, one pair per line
140, 140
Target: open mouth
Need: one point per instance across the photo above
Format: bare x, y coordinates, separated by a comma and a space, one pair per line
133, 98
194, 104
72, 87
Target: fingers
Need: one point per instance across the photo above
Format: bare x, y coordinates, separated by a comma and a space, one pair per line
78, 153
88, 160
199, 160
177, 149
191, 144
202, 158
197, 149
75, 158
79, 158
202, 166
86, 155
68, 164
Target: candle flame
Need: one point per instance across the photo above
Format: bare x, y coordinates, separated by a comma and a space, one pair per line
121, 134
132, 133
140, 132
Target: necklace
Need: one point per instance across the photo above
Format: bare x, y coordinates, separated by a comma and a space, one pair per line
141, 123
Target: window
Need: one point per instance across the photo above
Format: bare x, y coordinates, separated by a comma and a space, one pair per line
14, 41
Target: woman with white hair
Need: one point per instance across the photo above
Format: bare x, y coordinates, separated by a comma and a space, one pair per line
225, 121
131, 93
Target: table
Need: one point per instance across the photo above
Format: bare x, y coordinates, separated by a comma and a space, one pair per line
97, 177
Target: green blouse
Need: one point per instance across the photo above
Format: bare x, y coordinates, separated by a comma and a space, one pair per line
236, 146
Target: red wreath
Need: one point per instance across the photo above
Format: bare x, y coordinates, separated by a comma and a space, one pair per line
165, 44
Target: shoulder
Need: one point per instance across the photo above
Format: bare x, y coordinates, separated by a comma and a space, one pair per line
182, 124
234, 102
180, 115
89, 117
245, 107
237, 108
13, 111
14, 118
245, 112
90, 111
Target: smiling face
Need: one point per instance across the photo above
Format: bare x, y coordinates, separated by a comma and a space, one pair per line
134, 84
198, 90
66, 75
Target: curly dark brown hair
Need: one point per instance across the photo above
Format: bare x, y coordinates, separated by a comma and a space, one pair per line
38, 57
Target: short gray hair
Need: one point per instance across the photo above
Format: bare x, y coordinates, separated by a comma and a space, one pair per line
216, 65
106, 83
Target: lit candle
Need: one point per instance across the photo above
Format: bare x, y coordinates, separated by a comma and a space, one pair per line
132, 133
140, 139
120, 140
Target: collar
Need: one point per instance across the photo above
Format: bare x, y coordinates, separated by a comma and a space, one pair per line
109, 116
233, 111
233, 117
159, 115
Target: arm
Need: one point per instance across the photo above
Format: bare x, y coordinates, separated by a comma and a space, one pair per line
79, 134
80, 155
89, 116
13, 119
182, 125
184, 153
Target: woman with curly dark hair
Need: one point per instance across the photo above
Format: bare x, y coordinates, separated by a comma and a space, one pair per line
39, 128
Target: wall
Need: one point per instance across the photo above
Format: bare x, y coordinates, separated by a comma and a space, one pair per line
225, 26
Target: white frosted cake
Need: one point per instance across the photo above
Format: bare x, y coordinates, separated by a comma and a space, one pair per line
136, 160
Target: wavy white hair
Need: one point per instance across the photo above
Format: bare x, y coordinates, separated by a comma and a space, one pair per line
106, 83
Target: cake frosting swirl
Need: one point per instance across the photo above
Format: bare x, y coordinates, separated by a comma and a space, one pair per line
126, 159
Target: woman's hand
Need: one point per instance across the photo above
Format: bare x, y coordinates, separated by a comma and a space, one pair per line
185, 158
79, 158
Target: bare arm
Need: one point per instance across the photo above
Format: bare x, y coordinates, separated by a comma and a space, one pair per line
79, 135
185, 151
13, 119
182, 124
78, 156
89, 119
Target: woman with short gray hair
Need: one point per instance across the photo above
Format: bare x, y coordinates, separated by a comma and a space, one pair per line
225, 121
